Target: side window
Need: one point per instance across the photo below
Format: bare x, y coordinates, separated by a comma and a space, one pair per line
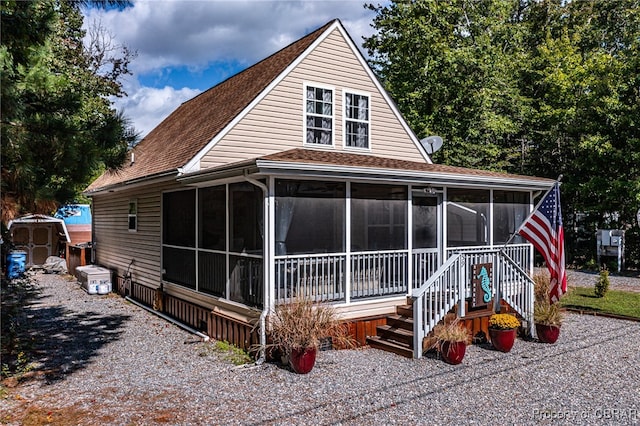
133, 215
356, 120
318, 115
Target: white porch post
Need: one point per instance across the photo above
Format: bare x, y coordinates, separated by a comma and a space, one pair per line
410, 264
443, 234
490, 224
347, 261
531, 250
269, 255
227, 269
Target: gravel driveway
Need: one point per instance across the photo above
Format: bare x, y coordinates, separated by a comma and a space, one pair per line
103, 360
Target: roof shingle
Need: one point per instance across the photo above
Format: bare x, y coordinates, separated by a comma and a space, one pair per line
310, 156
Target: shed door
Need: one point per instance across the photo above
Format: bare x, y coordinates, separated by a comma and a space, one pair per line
21, 236
41, 243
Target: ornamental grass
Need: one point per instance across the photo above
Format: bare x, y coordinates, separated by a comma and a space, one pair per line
543, 311
302, 324
453, 332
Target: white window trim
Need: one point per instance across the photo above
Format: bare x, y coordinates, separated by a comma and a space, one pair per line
346, 92
304, 114
135, 215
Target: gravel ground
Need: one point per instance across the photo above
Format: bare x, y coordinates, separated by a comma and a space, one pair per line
630, 282
106, 361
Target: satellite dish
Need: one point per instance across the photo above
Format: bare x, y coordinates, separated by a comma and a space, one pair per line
431, 144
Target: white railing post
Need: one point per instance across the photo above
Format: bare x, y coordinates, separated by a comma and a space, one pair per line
462, 286
529, 305
418, 329
497, 286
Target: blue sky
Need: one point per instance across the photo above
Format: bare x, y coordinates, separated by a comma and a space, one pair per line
187, 46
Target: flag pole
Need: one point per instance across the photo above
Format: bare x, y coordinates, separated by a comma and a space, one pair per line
513, 235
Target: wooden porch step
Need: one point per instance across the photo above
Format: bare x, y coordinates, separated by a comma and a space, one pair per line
400, 321
395, 334
405, 310
390, 346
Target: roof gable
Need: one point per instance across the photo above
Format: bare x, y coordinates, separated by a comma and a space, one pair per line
186, 131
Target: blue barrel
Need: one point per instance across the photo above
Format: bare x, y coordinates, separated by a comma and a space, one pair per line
16, 260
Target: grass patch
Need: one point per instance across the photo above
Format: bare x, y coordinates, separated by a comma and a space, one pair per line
229, 352
615, 302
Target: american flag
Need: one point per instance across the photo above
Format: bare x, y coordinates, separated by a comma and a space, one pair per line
544, 230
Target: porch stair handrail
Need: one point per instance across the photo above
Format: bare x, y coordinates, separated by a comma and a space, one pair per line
522, 301
439, 293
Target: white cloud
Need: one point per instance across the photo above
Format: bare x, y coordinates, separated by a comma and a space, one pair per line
195, 34
148, 106
177, 32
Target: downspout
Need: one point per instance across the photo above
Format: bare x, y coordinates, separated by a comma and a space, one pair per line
265, 309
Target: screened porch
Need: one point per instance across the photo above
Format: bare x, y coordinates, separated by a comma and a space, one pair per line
338, 241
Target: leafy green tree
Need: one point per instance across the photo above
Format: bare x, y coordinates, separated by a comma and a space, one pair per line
584, 80
453, 68
537, 87
58, 127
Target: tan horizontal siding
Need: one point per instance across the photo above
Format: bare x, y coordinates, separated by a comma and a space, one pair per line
276, 123
116, 245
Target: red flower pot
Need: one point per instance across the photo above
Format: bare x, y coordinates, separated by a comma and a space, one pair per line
502, 340
453, 352
303, 360
547, 333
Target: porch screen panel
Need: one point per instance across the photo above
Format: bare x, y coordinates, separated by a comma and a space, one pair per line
310, 217
378, 217
425, 222
510, 209
212, 273
245, 218
179, 237
213, 211
467, 217
246, 230
245, 280
179, 218
179, 266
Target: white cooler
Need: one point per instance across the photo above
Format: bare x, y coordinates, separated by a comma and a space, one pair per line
94, 279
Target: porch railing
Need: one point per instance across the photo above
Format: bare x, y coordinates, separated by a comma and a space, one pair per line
451, 284
519, 253
516, 288
379, 273
425, 263
436, 297
322, 277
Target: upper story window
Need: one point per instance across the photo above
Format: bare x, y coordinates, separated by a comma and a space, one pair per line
356, 116
319, 115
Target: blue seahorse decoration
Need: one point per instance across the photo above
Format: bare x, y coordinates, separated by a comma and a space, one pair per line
485, 283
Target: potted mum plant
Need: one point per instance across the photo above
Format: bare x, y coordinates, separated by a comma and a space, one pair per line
451, 341
298, 328
547, 317
502, 331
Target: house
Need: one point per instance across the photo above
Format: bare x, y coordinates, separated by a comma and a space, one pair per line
299, 176
77, 218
